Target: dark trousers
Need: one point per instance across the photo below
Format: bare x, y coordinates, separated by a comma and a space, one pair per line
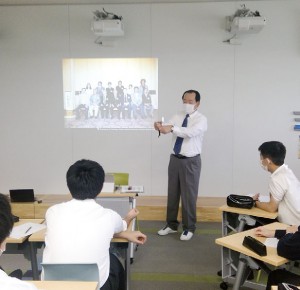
183, 182
282, 276
116, 278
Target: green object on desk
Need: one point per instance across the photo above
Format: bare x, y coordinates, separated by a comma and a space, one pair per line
120, 178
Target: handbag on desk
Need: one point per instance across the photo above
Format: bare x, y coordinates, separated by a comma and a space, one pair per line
240, 201
255, 245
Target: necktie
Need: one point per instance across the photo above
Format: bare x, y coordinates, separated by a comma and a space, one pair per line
179, 140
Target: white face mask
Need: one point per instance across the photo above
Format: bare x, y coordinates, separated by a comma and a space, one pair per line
265, 167
188, 108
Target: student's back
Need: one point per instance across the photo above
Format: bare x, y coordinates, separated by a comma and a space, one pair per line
80, 231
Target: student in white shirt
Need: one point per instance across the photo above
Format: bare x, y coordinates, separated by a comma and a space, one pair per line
284, 187
80, 230
6, 225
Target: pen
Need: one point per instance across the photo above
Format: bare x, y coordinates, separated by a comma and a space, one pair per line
28, 230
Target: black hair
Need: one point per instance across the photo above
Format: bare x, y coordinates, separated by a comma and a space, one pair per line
274, 150
6, 219
197, 94
85, 179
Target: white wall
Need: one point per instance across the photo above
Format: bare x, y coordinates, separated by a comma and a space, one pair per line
248, 92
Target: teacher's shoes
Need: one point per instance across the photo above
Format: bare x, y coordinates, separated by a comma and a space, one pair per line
165, 231
186, 235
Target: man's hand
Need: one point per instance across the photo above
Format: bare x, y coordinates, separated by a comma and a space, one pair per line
157, 125
131, 215
165, 129
271, 206
292, 229
135, 237
256, 196
263, 232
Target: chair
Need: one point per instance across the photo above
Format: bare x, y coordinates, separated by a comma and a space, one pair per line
120, 178
70, 272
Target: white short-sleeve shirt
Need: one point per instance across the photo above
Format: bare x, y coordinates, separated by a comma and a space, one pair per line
80, 231
10, 283
285, 189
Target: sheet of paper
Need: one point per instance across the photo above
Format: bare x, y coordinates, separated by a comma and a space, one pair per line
271, 242
262, 198
25, 230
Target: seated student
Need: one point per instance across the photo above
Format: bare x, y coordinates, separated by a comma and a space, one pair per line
284, 187
80, 230
287, 247
6, 225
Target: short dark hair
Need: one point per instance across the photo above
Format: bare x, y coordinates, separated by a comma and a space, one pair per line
85, 179
6, 219
197, 94
274, 150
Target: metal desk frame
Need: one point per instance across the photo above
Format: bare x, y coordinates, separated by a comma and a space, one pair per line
234, 264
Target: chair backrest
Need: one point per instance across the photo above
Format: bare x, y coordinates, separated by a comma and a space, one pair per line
70, 272
121, 178
122, 205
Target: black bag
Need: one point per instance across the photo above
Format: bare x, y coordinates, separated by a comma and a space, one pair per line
241, 201
255, 245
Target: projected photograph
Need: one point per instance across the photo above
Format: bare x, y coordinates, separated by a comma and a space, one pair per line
110, 93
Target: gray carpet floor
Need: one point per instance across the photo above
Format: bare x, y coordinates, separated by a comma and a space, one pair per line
167, 263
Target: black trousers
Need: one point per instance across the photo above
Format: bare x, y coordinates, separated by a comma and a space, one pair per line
116, 278
282, 276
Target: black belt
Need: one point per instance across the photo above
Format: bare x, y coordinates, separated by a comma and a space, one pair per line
179, 156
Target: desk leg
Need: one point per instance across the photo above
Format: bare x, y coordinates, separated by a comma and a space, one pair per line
240, 274
33, 258
132, 201
241, 225
127, 266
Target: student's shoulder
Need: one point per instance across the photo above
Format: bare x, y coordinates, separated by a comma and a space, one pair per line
58, 207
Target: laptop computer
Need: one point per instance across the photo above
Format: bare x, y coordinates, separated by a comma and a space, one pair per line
21, 195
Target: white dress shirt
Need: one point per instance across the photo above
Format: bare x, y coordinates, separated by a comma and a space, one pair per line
193, 134
10, 283
285, 189
80, 231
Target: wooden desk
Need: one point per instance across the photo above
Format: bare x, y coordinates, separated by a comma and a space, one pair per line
64, 285
253, 212
235, 242
20, 222
38, 209
39, 237
25, 239
229, 269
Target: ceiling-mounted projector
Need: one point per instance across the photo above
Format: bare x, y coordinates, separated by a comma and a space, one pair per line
108, 27
245, 25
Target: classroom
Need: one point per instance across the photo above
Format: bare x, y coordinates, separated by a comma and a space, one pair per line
249, 92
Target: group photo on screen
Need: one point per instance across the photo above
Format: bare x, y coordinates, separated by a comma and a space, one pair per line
110, 93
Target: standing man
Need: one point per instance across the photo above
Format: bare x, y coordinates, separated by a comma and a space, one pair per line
187, 128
